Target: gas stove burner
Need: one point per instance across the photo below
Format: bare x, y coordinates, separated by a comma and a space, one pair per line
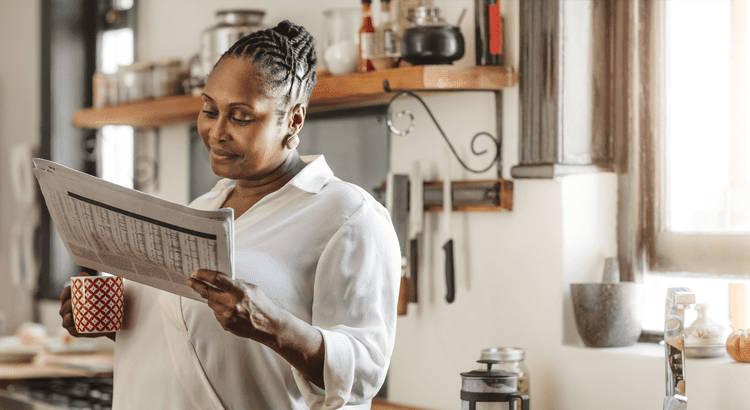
68, 393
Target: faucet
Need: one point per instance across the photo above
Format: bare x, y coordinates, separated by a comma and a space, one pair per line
678, 299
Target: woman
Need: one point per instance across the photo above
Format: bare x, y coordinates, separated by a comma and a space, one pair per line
310, 319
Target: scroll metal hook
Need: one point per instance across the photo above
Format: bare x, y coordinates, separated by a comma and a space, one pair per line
401, 133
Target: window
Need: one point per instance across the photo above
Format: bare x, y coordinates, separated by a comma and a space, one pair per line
692, 149
117, 141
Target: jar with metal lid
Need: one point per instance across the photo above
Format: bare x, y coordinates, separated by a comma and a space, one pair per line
166, 79
135, 82
511, 360
231, 25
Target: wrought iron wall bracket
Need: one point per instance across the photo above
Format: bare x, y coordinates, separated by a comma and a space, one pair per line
401, 133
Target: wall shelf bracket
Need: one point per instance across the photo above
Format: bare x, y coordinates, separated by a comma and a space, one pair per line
412, 93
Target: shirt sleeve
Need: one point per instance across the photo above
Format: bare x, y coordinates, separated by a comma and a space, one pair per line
354, 307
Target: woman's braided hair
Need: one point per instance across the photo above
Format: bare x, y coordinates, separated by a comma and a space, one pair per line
287, 54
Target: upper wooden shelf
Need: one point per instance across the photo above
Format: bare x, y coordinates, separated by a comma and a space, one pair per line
330, 93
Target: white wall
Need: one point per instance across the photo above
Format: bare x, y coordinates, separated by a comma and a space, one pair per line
19, 124
513, 269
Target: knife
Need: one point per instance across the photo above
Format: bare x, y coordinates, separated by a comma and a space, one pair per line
450, 282
416, 218
396, 201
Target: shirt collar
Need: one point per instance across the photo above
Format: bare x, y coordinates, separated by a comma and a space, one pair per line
313, 176
310, 179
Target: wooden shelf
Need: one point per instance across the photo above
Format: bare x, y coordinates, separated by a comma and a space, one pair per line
330, 93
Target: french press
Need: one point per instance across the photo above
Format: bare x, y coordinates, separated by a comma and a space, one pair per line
491, 390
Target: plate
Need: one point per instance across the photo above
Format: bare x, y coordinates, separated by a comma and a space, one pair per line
705, 351
12, 351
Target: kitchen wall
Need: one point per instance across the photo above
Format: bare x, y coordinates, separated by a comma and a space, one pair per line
513, 268
19, 137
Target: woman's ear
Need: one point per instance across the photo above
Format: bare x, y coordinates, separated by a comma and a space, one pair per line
297, 118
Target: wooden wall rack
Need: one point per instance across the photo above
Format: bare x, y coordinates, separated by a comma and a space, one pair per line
468, 196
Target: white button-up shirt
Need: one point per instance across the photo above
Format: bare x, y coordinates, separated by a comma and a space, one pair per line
322, 249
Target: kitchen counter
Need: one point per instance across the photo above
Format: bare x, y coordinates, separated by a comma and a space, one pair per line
48, 365
378, 404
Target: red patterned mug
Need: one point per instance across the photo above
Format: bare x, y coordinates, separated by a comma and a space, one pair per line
97, 303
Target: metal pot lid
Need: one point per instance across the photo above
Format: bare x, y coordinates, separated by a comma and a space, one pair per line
240, 17
438, 26
489, 373
503, 353
427, 16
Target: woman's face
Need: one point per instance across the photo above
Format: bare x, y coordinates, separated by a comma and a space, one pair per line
239, 124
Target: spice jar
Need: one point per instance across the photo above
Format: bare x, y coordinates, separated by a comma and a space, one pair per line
511, 359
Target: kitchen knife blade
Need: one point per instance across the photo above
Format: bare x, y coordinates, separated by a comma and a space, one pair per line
450, 280
397, 203
416, 220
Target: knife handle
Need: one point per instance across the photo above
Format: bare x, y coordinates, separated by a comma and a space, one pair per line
413, 267
403, 297
450, 282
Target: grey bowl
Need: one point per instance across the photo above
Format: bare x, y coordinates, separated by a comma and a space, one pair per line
607, 314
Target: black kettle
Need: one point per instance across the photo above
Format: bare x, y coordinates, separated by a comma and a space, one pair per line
430, 40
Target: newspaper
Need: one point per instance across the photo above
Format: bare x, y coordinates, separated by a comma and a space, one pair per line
132, 234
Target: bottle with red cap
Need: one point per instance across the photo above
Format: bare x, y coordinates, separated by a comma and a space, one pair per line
367, 40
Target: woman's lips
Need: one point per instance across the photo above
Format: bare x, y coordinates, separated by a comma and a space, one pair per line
220, 154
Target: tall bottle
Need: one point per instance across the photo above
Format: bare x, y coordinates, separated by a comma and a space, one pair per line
387, 53
367, 41
488, 24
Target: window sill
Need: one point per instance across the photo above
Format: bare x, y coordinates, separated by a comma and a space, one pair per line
649, 351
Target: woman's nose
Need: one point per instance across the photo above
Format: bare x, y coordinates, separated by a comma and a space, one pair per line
218, 130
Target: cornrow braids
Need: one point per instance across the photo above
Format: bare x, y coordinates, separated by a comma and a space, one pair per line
287, 53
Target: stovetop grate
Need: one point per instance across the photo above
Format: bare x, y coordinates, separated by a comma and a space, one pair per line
69, 393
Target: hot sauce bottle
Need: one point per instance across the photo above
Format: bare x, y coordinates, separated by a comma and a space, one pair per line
367, 39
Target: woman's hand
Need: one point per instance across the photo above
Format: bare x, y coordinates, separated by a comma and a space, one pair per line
66, 313
241, 308
244, 310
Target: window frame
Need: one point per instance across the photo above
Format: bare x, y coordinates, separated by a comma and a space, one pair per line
668, 252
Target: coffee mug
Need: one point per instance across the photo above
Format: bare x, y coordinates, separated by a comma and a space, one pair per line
97, 303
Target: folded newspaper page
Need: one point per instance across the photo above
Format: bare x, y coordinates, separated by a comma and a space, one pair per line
132, 234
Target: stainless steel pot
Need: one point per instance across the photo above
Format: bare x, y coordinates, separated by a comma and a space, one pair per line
231, 25
430, 40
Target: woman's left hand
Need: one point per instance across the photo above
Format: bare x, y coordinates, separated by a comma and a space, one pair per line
241, 308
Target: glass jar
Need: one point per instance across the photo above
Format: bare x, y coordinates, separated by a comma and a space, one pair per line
341, 39
512, 361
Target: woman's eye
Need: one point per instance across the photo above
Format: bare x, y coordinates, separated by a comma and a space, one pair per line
240, 120
210, 114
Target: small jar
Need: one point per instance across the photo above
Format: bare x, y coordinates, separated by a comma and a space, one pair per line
705, 338
165, 75
512, 361
135, 82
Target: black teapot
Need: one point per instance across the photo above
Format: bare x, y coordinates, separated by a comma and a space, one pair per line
430, 40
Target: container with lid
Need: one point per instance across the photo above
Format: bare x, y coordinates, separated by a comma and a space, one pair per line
135, 82
491, 389
231, 25
430, 40
166, 77
511, 360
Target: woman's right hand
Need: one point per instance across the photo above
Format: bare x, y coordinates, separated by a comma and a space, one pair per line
66, 313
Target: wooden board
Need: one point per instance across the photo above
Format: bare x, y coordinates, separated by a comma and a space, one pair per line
378, 404
144, 114
331, 92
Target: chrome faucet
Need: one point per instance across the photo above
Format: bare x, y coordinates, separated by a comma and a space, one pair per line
678, 299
